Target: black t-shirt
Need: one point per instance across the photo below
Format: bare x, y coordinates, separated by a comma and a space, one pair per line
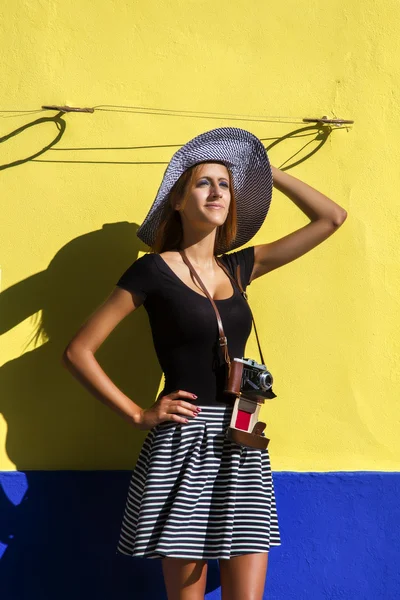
184, 325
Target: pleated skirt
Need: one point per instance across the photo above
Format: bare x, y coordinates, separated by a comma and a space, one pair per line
195, 494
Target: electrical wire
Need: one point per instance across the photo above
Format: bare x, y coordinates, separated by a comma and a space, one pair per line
173, 113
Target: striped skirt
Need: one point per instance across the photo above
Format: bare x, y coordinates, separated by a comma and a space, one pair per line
195, 494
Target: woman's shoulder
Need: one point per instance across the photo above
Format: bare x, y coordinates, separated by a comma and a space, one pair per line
149, 256
139, 273
244, 258
244, 255
144, 263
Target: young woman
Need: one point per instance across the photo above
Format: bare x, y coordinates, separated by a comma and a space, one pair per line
194, 494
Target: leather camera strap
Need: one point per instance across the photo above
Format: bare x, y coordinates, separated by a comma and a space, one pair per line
238, 281
222, 337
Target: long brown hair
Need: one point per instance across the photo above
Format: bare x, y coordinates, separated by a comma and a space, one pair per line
170, 231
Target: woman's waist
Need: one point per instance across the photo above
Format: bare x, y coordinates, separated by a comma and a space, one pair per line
207, 386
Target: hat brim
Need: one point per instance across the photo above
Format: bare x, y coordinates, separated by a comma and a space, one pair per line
245, 157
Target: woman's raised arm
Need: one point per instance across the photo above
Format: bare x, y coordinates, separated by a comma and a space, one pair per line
325, 215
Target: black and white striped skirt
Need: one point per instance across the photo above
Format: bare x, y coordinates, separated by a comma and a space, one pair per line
195, 494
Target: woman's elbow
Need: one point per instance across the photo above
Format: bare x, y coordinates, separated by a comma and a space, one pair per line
340, 218
70, 355
66, 357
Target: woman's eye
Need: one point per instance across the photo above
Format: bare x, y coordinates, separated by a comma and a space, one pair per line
224, 183
206, 182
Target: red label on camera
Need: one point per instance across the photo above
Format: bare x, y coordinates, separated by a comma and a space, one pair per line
243, 420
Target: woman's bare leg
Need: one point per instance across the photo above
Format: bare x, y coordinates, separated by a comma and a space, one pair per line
185, 579
243, 577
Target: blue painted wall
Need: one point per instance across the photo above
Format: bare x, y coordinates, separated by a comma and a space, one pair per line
58, 533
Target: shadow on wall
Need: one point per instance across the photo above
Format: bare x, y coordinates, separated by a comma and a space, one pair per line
60, 125
53, 422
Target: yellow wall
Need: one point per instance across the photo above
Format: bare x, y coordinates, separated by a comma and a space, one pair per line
329, 322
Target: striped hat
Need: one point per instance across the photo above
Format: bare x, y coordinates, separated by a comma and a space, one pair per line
244, 156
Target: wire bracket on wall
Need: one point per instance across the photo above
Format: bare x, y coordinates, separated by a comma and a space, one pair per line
328, 120
69, 109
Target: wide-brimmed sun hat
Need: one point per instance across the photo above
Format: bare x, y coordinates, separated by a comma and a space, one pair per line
244, 156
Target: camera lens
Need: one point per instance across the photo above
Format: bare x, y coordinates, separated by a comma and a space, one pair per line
265, 380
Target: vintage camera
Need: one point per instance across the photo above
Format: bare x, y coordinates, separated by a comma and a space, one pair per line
251, 383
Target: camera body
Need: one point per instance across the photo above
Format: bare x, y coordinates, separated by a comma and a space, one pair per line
256, 379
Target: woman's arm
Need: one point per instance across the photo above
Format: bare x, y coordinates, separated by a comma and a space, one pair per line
311, 202
325, 215
79, 359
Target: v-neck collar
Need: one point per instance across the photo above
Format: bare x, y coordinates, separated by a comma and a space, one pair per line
163, 262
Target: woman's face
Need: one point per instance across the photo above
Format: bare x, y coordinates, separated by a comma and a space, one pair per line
208, 198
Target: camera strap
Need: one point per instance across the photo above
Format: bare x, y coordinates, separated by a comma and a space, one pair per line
222, 338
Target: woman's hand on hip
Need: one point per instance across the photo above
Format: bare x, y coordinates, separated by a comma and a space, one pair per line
169, 408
